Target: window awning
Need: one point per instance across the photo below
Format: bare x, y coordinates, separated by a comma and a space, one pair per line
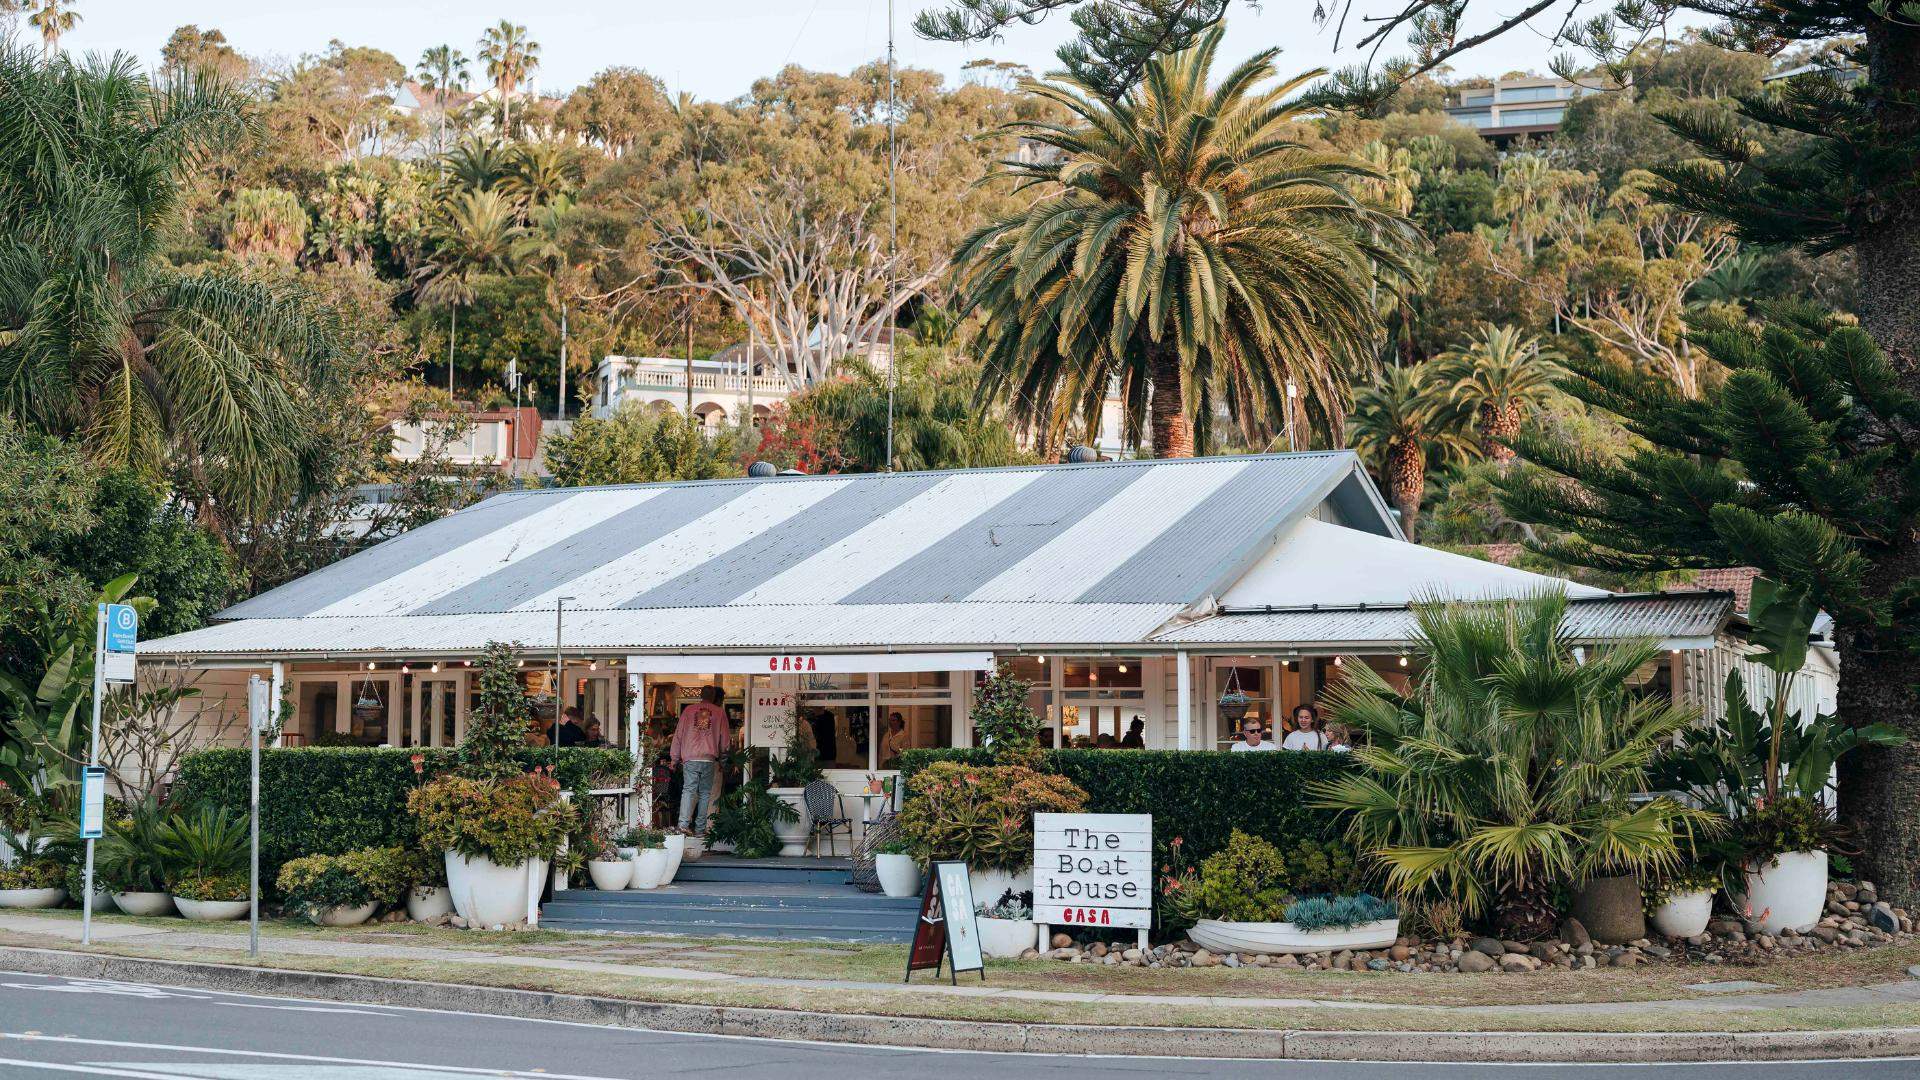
790, 663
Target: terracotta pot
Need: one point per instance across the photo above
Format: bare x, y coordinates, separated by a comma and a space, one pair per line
1611, 909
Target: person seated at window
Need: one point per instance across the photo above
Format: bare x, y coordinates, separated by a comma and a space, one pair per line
1106, 741
1253, 736
1306, 733
536, 732
1136, 738
595, 736
571, 732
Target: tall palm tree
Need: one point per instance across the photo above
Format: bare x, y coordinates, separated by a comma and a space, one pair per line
510, 56
52, 18
442, 72
101, 337
1397, 424
477, 233
543, 246
1498, 375
1182, 247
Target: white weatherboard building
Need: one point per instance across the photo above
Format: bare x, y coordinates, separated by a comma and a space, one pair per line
1130, 593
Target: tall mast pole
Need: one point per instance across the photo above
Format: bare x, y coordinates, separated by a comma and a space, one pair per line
893, 240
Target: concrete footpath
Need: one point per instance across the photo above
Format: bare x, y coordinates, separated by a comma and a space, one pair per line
220, 964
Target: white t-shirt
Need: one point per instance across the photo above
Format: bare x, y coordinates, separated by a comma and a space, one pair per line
1305, 740
1241, 746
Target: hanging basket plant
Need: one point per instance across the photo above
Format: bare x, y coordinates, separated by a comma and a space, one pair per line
1233, 705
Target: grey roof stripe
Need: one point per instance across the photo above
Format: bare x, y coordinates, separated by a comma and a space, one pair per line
732, 573
1190, 554
331, 584
996, 538
629, 530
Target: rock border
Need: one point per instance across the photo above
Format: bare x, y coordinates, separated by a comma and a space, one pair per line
1550, 1047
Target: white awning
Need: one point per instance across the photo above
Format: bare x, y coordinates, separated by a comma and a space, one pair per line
804, 663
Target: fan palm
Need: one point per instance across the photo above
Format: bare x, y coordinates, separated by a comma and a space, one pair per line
1498, 375
510, 56
1512, 765
442, 72
477, 233
52, 18
1182, 249
1397, 424
100, 336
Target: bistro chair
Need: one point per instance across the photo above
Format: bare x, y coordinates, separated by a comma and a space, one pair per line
826, 814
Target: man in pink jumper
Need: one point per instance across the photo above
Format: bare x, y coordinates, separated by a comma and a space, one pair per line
698, 741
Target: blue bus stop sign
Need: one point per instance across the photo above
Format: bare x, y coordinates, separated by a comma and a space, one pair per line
123, 627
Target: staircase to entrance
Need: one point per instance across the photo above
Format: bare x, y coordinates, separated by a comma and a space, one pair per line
721, 896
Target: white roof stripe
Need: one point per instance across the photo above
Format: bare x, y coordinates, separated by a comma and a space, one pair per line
1082, 554
725, 527
449, 570
843, 568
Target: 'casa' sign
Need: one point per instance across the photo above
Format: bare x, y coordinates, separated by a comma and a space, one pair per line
793, 663
1093, 869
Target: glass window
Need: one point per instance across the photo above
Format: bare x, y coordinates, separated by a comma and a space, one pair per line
907, 726
842, 732
891, 681
1533, 93
1475, 118
318, 709
1527, 117
1254, 681
1102, 674
368, 711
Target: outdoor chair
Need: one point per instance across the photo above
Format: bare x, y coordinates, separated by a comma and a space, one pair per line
827, 814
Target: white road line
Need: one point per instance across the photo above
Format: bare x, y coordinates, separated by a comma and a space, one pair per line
75, 1040
89, 1070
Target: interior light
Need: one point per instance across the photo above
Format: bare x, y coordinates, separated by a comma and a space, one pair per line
435, 668
371, 665
522, 663
404, 670
1403, 661
1123, 669
466, 663
593, 665
1336, 661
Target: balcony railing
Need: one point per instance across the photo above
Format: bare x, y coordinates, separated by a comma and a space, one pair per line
702, 380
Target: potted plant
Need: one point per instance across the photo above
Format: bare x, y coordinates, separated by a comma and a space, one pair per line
749, 819
789, 772
131, 860
983, 816
1785, 871
899, 875
1006, 925
428, 897
1681, 904
499, 827
207, 851
34, 876
610, 870
343, 890
652, 864
1239, 895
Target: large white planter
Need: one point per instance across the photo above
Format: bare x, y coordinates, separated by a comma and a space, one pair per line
1005, 938
990, 885
651, 868
899, 875
1281, 937
793, 835
212, 910
610, 875
676, 853
1684, 914
144, 903
1790, 894
428, 902
486, 894
32, 898
341, 916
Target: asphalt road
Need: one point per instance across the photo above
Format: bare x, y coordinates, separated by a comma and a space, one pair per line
56, 1027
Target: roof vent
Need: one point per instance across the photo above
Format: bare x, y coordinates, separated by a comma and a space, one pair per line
1082, 455
763, 469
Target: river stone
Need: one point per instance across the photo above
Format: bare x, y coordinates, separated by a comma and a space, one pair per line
1062, 941
1475, 961
1516, 962
1574, 933
1881, 917
1488, 947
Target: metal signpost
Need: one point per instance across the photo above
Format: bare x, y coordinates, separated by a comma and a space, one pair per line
116, 629
259, 710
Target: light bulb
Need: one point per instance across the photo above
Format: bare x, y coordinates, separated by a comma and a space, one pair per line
1123, 669
404, 670
435, 669
1336, 661
1403, 661
593, 665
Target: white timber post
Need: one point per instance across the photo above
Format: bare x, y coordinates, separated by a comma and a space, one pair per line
278, 686
1183, 686
639, 806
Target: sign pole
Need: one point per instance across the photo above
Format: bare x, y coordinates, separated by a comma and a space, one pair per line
257, 713
93, 762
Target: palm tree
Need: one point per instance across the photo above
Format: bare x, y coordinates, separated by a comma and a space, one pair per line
477, 233
1397, 424
52, 18
543, 245
479, 163
101, 337
442, 72
1511, 766
1496, 377
935, 425
1529, 195
540, 171
510, 57
1182, 248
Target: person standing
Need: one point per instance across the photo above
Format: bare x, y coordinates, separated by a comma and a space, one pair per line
1252, 737
699, 739
1306, 733
895, 742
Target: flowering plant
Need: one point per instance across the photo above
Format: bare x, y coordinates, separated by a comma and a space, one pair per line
982, 815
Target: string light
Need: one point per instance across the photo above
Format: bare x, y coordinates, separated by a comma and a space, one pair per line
404, 670
1123, 669
435, 669
1403, 661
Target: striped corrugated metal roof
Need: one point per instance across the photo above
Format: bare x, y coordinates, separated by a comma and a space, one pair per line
1692, 618
1139, 532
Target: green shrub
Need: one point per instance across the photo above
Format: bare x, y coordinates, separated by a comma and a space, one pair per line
1200, 796
1339, 912
506, 821
746, 820
229, 886
642, 838
372, 876
328, 801
1246, 881
1323, 868
211, 842
982, 814
34, 874
1788, 825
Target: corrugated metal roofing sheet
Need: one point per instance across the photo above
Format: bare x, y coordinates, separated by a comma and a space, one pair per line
1667, 617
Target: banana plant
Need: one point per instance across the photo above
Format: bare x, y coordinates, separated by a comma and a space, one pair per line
45, 718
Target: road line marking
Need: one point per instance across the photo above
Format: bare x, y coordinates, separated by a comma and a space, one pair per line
75, 1040
91, 1070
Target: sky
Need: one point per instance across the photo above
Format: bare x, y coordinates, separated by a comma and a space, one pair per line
713, 49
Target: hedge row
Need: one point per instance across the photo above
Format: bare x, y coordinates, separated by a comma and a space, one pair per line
331, 800
1200, 796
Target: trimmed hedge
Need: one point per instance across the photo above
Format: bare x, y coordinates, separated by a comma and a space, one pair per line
332, 800
1200, 796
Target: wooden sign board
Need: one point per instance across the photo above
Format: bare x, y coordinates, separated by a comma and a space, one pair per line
1093, 870
946, 931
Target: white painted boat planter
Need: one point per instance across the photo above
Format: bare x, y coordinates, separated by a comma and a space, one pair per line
1790, 893
1005, 938
610, 875
1684, 915
212, 910
1219, 936
32, 898
341, 916
428, 902
144, 903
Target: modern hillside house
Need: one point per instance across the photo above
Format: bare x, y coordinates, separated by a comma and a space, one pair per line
1510, 108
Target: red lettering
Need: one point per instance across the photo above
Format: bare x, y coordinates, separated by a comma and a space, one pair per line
811, 665
773, 663
1106, 917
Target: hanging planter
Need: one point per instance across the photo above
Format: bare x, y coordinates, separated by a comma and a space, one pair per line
1233, 703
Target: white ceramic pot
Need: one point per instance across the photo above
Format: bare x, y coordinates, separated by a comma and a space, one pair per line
1005, 938
899, 875
610, 875
144, 903
1790, 893
1221, 936
486, 894
628, 853
428, 902
793, 835
990, 885
651, 868
341, 916
32, 898
676, 850
1684, 914
212, 910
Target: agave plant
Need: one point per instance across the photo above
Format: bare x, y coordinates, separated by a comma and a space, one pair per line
1511, 766
210, 843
